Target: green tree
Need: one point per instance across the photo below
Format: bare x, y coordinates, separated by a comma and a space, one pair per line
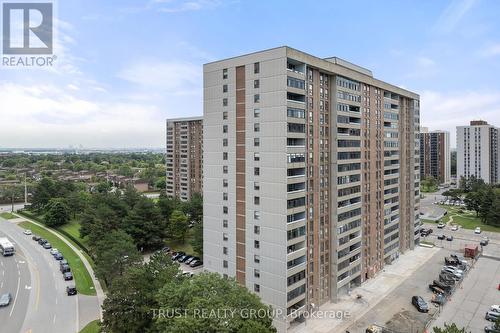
450, 328
114, 253
212, 293
145, 224
178, 225
77, 201
167, 205
132, 297
197, 241
473, 201
161, 183
42, 193
194, 207
131, 196
57, 213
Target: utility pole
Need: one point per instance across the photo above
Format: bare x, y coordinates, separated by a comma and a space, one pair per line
25, 190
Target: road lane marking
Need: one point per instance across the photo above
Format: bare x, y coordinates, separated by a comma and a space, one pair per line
15, 298
54, 320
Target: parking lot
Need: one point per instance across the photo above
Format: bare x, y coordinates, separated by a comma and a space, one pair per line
469, 303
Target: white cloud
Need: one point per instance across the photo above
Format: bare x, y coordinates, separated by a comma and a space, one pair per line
491, 50
453, 14
447, 111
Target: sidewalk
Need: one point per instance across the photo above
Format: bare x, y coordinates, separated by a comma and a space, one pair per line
372, 291
99, 292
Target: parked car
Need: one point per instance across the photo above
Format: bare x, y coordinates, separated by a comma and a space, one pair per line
477, 230
35, 238
68, 276
166, 249
441, 237
5, 299
454, 228
184, 258
54, 251
440, 225
425, 232
492, 315
452, 273
491, 329
196, 263
58, 256
42, 241
451, 261
455, 269
445, 286
47, 246
484, 241
495, 308
449, 238
447, 278
190, 260
177, 255
64, 268
459, 258
71, 290
27, 232
435, 289
63, 262
420, 304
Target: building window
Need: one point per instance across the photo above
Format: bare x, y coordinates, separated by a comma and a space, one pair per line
256, 244
224, 115
256, 84
224, 183
225, 209
256, 186
256, 258
256, 288
224, 196
256, 200
224, 263
256, 98
256, 142
224, 223
256, 157
224, 73
224, 88
256, 171
256, 113
256, 273
224, 250
256, 229
256, 127
256, 68
224, 156
224, 102
224, 168
256, 215
224, 142
224, 128
224, 237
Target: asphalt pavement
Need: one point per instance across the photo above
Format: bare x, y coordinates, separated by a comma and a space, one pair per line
40, 303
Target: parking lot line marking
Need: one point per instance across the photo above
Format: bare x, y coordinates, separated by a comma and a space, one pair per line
15, 297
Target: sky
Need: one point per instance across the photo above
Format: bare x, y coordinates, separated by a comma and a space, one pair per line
123, 67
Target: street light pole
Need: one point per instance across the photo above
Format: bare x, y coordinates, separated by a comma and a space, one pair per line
25, 190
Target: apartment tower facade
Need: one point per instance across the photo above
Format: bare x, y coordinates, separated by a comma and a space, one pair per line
477, 151
184, 157
435, 155
311, 176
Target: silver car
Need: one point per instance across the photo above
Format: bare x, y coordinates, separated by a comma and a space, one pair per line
5, 299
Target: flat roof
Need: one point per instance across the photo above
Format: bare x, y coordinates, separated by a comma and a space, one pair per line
185, 119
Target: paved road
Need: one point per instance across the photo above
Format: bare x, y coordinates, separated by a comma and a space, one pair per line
41, 304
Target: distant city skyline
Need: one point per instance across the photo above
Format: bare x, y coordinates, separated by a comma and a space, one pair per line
123, 67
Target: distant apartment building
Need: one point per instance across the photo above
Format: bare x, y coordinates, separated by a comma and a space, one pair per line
311, 175
184, 157
477, 151
435, 155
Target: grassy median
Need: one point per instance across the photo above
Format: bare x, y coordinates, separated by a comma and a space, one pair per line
7, 215
92, 327
83, 280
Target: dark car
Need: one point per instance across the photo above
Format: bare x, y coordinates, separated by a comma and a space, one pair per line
68, 276
166, 249
449, 238
435, 289
47, 246
65, 268
425, 232
35, 238
63, 262
441, 237
492, 315
42, 241
177, 255
190, 260
484, 241
5, 299
184, 258
445, 286
420, 304
451, 261
491, 329
71, 290
196, 263
438, 299
58, 256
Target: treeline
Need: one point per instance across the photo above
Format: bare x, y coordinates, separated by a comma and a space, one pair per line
482, 198
119, 225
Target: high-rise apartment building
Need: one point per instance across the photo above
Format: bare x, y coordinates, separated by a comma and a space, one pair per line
435, 155
311, 175
184, 157
477, 151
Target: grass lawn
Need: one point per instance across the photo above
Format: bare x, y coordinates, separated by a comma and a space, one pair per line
92, 327
82, 277
73, 228
7, 215
466, 219
180, 246
428, 189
